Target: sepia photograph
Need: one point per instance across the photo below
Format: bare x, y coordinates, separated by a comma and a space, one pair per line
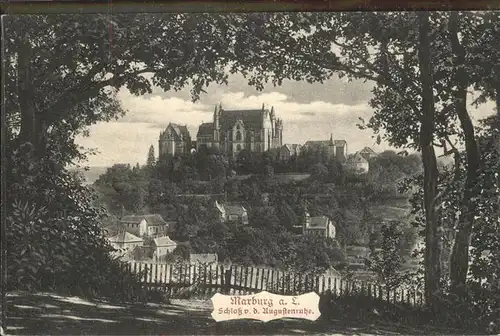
218, 172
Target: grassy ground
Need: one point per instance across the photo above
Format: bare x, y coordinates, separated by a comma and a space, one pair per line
48, 314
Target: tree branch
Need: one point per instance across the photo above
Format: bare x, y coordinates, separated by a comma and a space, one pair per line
87, 89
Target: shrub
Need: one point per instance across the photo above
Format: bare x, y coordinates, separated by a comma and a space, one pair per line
54, 239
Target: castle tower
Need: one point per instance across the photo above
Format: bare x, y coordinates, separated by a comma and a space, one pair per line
216, 126
279, 132
273, 122
160, 144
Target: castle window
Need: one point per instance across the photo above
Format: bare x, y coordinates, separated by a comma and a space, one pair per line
257, 147
238, 134
238, 148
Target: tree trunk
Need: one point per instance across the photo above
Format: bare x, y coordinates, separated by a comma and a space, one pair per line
28, 129
459, 259
427, 127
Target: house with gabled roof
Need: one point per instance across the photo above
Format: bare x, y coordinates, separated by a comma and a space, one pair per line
318, 225
163, 246
232, 212
357, 163
125, 241
175, 139
367, 153
152, 225
333, 148
287, 151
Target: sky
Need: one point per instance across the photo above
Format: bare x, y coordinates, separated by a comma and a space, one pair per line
309, 112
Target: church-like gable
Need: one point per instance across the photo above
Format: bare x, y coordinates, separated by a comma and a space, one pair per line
174, 140
254, 130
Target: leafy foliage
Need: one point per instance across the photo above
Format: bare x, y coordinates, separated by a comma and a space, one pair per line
387, 261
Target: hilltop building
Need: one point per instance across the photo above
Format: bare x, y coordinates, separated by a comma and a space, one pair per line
287, 151
367, 153
357, 163
334, 148
174, 140
234, 130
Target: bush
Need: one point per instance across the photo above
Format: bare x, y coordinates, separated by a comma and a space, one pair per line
54, 239
477, 311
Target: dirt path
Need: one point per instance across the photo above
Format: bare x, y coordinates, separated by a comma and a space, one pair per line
48, 314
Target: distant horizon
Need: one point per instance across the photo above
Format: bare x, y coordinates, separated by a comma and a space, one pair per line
309, 112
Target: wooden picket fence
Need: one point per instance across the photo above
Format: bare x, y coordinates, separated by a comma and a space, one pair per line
208, 279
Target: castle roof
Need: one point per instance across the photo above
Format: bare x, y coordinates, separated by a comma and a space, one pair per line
180, 130
318, 143
252, 119
205, 129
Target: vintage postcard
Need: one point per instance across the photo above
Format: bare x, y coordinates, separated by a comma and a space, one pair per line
251, 172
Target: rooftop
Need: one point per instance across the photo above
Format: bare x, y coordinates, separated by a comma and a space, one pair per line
238, 210
180, 130
252, 119
125, 237
205, 129
356, 158
318, 222
164, 241
152, 219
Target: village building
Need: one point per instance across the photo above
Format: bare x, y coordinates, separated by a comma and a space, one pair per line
232, 131
174, 140
287, 151
357, 163
232, 213
163, 246
125, 241
367, 153
334, 148
146, 225
318, 225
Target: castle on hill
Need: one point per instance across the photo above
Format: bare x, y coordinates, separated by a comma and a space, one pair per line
231, 131
257, 131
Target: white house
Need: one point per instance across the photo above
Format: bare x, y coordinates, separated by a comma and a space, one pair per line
146, 225
125, 242
319, 225
357, 163
232, 213
163, 246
